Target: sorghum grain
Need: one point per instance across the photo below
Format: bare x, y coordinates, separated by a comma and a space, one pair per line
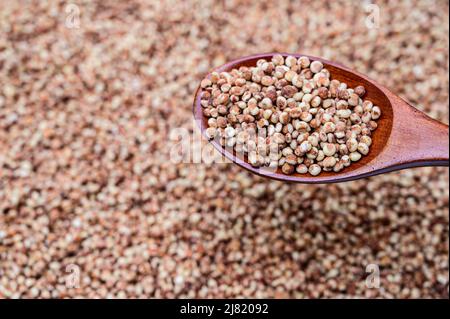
297, 106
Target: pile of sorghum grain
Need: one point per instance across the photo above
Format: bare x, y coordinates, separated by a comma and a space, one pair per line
289, 113
86, 178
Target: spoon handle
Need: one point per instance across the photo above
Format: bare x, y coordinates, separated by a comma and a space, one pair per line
433, 141
417, 139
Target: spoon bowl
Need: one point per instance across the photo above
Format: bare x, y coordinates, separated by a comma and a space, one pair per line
405, 137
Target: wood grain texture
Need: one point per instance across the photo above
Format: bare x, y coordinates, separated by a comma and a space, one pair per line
405, 137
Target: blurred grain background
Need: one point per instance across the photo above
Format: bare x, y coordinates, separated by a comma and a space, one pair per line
91, 205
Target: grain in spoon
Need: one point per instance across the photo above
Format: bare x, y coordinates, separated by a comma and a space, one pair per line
405, 137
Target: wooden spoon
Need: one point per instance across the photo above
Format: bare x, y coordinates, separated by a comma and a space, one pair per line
405, 137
